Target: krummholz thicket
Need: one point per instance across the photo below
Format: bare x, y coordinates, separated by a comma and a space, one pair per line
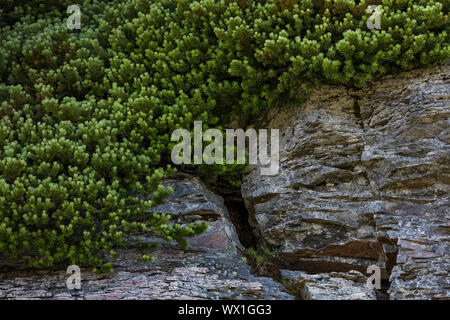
86, 115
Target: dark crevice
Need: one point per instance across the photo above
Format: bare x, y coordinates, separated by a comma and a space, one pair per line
237, 210
382, 293
239, 217
260, 259
357, 108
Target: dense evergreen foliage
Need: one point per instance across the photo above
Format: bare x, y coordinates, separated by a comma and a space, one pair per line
86, 115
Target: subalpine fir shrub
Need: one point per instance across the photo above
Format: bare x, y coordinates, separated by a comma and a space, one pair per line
12, 11
86, 116
70, 170
244, 55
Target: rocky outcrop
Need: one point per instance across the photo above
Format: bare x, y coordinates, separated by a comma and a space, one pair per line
364, 179
211, 268
318, 211
329, 286
407, 155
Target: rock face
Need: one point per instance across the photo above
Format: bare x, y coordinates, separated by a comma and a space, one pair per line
210, 269
407, 153
364, 179
193, 201
329, 286
318, 211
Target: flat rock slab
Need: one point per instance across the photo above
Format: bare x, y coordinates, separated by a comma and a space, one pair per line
174, 275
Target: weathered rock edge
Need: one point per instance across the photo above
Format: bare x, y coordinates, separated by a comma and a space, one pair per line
364, 179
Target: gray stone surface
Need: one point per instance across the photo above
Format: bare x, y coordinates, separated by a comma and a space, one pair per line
318, 211
212, 267
364, 179
407, 153
349, 285
173, 275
